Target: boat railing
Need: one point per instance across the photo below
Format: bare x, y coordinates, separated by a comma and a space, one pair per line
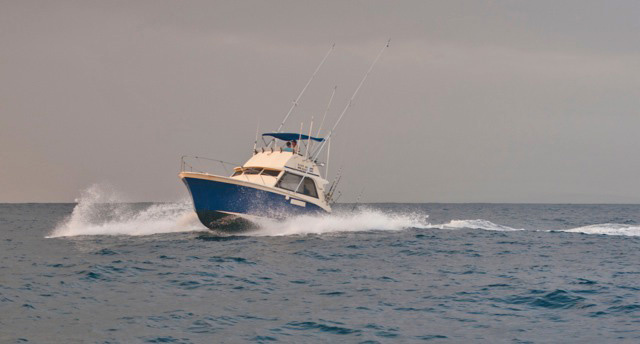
191, 163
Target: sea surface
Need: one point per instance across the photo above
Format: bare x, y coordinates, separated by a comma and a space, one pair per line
93, 272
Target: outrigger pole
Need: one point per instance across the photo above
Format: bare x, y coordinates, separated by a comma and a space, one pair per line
317, 153
326, 111
306, 152
295, 102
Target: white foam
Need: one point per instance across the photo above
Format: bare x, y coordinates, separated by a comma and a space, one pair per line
364, 220
475, 224
607, 229
358, 221
100, 211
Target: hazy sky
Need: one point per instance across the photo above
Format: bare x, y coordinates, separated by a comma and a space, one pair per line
475, 101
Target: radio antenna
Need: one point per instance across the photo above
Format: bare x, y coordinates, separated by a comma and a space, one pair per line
295, 102
351, 100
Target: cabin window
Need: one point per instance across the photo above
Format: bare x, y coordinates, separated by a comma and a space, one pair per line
291, 182
252, 170
237, 173
309, 187
272, 173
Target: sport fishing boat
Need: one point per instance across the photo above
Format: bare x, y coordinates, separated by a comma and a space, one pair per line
273, 183
280, 179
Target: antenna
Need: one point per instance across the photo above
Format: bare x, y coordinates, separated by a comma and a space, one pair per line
295, 102
351, 100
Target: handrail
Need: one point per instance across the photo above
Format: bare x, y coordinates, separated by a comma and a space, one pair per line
184, 164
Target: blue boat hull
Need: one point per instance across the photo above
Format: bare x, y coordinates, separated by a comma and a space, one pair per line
214, 201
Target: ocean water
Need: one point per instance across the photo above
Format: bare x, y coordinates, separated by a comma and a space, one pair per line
96, 272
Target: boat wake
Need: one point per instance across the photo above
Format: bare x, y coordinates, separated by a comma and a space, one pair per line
357, 221
94, 216
102, 212
364, 220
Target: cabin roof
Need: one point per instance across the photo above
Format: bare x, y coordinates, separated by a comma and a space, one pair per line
292, 136
279, 160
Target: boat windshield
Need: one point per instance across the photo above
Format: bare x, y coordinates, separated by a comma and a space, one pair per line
256, 170
252, 170
273, 173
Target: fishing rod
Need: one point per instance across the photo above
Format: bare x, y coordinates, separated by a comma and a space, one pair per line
295, 102
317, 152
334, 185
337, 198
358, 199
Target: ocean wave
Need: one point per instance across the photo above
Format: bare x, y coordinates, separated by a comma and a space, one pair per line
475, 224
607, 229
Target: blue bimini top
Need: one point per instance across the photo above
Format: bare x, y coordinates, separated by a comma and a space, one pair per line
292, 137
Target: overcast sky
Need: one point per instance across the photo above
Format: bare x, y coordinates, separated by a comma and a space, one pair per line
475, 101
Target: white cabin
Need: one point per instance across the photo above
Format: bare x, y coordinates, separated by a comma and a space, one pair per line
287, 172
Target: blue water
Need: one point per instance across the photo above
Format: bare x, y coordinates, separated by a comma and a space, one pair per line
441, 273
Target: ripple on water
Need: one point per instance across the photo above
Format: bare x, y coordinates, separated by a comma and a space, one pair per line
432, 337
168, 339
557, 299
411, 285
217, 259
106, 252
634, 308
319, 327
